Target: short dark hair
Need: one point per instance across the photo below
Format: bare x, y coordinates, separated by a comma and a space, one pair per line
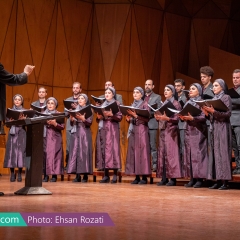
236, 71
180, 81
150, 80
207, 70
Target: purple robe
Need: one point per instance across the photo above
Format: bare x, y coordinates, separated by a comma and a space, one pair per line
138, 153
108, 143
195, 157
220, 169
53, 150
80, 154
16, 149
168, 149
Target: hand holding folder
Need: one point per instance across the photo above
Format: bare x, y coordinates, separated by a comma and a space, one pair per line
113, 107
217, 104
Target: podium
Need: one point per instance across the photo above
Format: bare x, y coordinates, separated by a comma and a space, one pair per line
34, 154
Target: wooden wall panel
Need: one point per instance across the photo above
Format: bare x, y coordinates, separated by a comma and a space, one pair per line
154, 4
5, 18
46, 74
214, 26
62, 67
33, 13
23, 51
136, 70
166, 74
210, 10
96, 69
76, 17
111, 19
194, 61
223, 64
148, 31
120, 72
83, 68
179, 38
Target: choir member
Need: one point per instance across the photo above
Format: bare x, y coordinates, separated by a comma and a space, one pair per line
138, 153
195, 157
119, 99
52, 144
80, 154
220, 128
179, 85
16, 144
206, 75
169, 165
108, 139
42, 94
235, 123
76, 90
152, 98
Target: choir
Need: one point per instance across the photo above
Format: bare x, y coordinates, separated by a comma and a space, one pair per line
196, 145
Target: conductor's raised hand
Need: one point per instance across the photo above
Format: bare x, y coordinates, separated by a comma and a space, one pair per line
28, 69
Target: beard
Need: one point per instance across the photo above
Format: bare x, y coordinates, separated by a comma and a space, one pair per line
147, 90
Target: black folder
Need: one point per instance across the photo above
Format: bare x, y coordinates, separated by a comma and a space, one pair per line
233, 93
59, 114
68, 103
38, 108
189, 108
87, 111
98, 99
217, 104
165, 108
139, 112
113, 106
14, 114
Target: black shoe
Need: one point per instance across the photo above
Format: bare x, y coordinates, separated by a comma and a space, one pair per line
77, 179
19, 179
13, 178
101, 169
198, 184
46, 178
85, 179
53, 180
214, 186
135, 181
142, 182
223, 187
236, 171
189, 184
1, 193
171, 183
162, 183
113, 181
105, 180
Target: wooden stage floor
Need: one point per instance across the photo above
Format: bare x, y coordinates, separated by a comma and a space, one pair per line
138, 211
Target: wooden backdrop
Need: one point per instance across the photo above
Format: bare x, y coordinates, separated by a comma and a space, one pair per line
127, 41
